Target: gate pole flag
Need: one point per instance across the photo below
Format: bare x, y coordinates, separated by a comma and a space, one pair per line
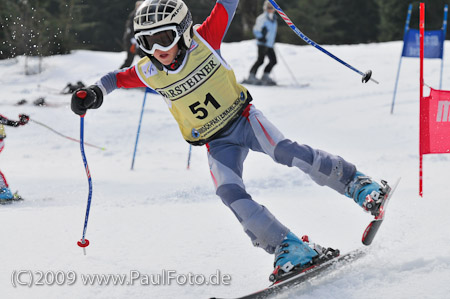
434, 126
434, 115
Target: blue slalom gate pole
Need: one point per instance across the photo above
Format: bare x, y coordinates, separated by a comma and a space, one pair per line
408, 18
365, 76
147, 90
85, 242
444, 29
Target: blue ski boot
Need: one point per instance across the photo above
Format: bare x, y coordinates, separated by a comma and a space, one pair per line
365, 192
5, 195
294, 256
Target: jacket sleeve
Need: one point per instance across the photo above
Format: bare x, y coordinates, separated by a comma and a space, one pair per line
124, 78
214, 28
259, 24
7, 122
265, 30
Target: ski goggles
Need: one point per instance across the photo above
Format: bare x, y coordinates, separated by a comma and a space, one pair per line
163, 39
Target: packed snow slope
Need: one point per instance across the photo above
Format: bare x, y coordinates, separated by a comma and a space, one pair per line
162, 219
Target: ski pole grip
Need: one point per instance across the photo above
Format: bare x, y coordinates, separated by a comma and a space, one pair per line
82, 94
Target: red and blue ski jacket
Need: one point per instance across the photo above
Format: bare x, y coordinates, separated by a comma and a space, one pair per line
213, 30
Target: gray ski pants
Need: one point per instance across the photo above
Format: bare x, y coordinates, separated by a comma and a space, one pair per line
226, 155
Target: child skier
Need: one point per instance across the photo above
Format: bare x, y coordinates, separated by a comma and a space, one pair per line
185, 66
5, 193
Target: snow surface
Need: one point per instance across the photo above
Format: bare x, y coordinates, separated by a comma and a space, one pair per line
163, 217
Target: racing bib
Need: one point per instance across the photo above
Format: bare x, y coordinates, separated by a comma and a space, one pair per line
202, 94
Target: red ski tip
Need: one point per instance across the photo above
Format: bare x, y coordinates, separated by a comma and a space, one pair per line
85, 244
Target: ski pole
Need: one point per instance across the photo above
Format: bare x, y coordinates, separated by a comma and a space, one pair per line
287, 66
67, 137
365, 76
189, 157
83, 243
139, 128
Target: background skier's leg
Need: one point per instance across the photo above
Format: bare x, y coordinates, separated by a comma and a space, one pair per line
259, 61
272, 60
5, 193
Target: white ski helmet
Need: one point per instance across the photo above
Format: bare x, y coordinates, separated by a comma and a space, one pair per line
154, 16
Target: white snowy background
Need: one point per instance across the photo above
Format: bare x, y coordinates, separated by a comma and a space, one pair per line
163, 217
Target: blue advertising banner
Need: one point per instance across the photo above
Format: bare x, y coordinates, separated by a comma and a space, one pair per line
433, 44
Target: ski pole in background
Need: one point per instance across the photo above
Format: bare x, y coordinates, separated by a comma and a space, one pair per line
287, 66
83, 243
139, 127
365, 76
67, 137
189, 156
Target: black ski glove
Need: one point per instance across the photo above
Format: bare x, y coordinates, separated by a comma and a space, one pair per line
264, 33
86, 98
23, 119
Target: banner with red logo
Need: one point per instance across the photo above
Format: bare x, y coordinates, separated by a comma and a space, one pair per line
434, 114
435, 123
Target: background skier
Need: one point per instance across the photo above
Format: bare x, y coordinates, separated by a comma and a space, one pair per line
183, 63
129, 43
5, 193
265, 31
